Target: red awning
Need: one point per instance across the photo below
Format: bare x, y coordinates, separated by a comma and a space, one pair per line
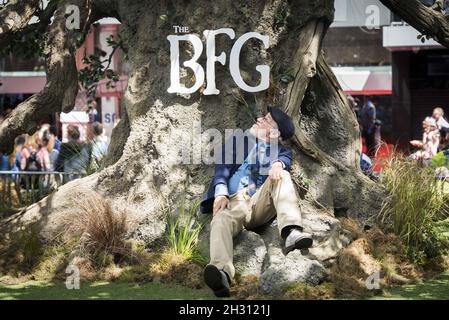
21, 84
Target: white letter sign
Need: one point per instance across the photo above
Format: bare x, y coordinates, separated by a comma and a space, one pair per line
175, 85
234, 62
212, 58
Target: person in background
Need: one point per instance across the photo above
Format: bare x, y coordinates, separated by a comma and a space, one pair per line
43, 156
28, 155
42, 128
16, 155
352, 103
366, 165
54, 134
438, 115
4, 162
99, 145
92, 111
444, 141
3, 157
377, 134
50, 156
48, 141
14, 161
29, 161
73, 157
430, 142
367, 121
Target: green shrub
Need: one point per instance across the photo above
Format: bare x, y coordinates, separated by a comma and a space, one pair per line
415, 208
183, 231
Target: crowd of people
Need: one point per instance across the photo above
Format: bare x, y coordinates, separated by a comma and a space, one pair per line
43, 151
435, 136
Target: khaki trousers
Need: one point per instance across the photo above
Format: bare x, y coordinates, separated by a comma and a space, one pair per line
251, 212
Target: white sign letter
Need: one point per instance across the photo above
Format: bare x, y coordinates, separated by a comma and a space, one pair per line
373, 19
175, 85
212, 58
264, 70
73, 280
373, 281
73, 20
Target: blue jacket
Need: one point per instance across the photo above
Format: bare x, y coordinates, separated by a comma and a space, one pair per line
225, 169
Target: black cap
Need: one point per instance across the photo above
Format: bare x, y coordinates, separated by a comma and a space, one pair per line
283, 121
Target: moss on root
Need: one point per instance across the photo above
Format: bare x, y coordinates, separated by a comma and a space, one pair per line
20, 252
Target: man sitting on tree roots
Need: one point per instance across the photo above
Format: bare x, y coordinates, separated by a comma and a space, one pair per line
240, 195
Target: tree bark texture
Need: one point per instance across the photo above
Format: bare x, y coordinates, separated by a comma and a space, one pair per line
141, 175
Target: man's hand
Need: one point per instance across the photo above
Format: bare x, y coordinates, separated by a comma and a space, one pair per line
220, 203
275, 173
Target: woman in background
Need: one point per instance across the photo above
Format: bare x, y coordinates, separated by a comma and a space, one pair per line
438, 115
430, 142
48, 141
16, 155
28, 160
43, 156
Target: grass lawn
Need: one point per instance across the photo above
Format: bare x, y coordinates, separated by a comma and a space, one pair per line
431, 289
35, 290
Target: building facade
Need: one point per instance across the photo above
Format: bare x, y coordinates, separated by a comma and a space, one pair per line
420, 79
21, 78
354, 48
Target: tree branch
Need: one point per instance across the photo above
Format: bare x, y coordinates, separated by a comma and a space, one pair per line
15, 16
304, 61
61, 88
424, 19
47, 13
305, 68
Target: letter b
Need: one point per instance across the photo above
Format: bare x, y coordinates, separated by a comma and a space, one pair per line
175, 82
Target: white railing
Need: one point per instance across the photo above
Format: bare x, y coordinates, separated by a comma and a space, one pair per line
23, 188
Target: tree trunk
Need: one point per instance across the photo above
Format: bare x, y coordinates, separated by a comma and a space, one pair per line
142, 176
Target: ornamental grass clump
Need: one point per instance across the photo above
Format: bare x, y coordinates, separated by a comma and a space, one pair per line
183, 231
100, 228
416, 208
